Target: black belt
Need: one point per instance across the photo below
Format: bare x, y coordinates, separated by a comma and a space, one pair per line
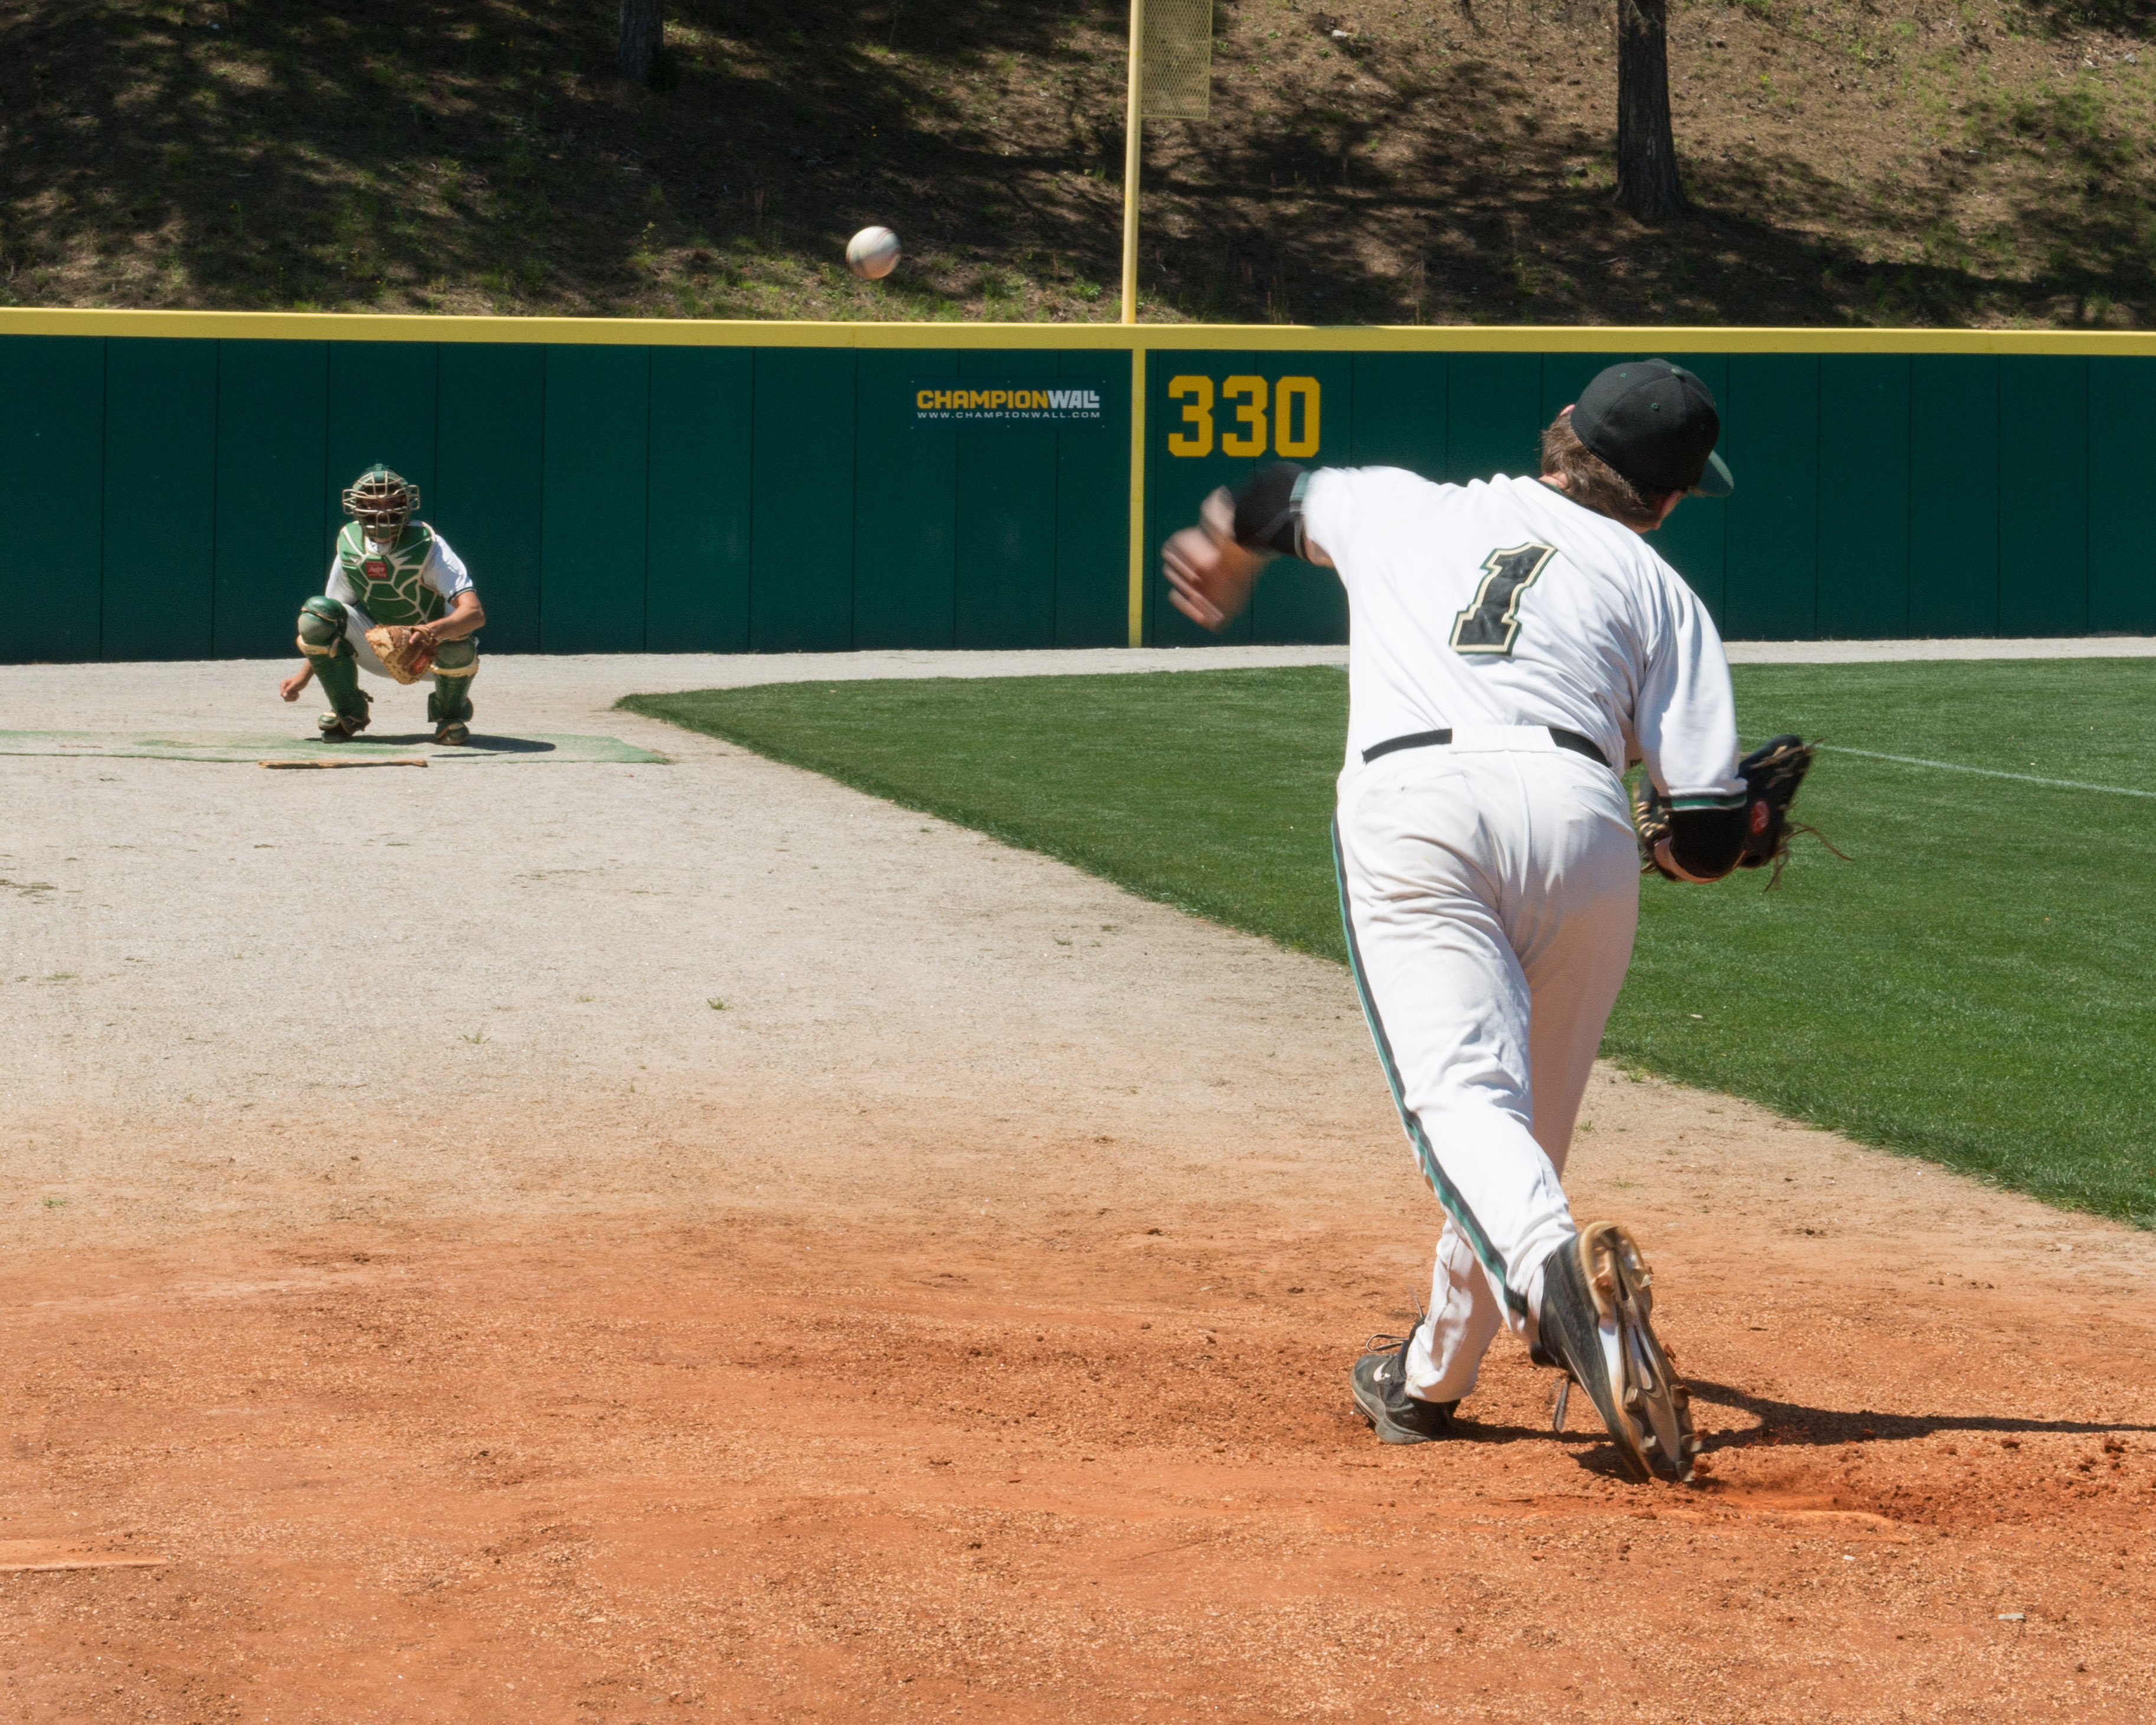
1430, 739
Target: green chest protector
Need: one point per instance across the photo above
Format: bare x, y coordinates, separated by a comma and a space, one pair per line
387, 582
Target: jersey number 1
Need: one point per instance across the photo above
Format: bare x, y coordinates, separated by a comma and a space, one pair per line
1492, 622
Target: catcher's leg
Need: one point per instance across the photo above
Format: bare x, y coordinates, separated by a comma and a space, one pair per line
449, 708
322, 623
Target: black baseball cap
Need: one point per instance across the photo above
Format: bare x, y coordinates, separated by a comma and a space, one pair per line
1656, 424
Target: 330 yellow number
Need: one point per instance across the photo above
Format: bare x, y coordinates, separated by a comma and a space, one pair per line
1196, 395
1251, 392
1292, 421
1290, 391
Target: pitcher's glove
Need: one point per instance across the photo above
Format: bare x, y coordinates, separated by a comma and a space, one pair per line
1651, 817
406, 654
1750, 836
1771, 774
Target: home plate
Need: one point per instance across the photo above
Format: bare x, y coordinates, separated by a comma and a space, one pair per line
19, 1554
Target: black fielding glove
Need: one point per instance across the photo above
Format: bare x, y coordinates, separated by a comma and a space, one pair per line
1651, 815
1772, 774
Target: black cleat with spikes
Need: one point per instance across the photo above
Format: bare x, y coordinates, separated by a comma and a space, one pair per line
1381, 1396
1598, 1299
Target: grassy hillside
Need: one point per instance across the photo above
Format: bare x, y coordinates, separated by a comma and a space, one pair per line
1983, 161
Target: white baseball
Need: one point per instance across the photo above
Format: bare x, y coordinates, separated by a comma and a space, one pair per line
872, 253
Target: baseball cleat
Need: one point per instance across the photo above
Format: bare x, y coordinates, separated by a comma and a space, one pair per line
341, 727
1381, 1396
452, 734
1598, 1297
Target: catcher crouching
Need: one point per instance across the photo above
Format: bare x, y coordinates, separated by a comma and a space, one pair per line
399, 603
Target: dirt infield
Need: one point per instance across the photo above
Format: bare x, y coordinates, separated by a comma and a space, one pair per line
422, 1301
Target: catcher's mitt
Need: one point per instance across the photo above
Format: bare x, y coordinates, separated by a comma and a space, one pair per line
405, 655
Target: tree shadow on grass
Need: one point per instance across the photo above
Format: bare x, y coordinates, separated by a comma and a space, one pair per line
2127, 18
481, 154
1512, 220
266, 152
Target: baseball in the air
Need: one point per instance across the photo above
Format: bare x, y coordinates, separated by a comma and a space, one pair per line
872, 253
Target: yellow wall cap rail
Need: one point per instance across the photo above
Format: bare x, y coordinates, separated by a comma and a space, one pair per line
1102, 337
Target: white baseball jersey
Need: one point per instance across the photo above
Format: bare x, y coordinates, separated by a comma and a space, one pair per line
1490, 887
1504, 603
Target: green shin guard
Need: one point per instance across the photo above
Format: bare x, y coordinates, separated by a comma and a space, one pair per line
335, 667
449, 708
348, 714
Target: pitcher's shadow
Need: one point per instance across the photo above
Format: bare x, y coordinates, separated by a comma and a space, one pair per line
1794, 1425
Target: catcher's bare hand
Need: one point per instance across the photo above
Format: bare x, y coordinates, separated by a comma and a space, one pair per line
291, 687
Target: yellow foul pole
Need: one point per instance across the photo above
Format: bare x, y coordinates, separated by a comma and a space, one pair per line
1131, 132
1131, 157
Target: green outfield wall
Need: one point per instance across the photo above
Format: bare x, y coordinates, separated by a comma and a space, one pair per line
626, 485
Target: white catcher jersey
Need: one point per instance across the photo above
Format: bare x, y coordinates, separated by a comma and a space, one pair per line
1504, 603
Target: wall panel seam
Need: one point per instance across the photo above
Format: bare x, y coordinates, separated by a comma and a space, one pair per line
1056, 541
104, 464
539, 527
748, 577
1998, 454
216, 501
643, 631
1819, 507
1818, 545
854, 520
2087, 384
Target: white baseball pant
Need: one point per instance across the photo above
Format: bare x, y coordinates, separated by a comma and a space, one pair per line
1490, 889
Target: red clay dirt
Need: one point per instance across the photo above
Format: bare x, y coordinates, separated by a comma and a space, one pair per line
1066, 1464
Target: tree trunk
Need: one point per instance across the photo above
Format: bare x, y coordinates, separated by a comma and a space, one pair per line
1646, 152
640, 26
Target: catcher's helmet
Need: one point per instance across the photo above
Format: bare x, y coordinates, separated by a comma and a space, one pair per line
382, 500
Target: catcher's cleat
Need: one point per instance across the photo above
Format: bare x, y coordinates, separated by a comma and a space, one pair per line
452, 733
341, 727
1598, 1296
1381, 1396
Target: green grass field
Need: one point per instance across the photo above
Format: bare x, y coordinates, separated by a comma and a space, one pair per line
1974, 987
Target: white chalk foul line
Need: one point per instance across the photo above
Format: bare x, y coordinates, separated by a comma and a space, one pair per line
2062, 785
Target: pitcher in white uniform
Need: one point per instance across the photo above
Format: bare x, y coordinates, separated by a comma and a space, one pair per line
1513, 644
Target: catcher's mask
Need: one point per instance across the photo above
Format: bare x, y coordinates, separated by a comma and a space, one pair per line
382, 500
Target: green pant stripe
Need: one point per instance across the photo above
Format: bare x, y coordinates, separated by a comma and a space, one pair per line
1455, 1206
